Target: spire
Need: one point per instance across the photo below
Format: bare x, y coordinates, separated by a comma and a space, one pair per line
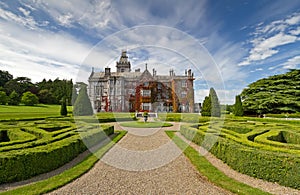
123, 65
146, 66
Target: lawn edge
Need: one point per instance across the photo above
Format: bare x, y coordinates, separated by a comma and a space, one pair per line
205, 168
69, 175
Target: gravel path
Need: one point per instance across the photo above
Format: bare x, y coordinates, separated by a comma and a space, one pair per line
147, 163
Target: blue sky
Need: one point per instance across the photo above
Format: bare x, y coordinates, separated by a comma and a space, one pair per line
233, 42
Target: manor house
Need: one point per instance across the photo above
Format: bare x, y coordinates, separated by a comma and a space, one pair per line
140, 91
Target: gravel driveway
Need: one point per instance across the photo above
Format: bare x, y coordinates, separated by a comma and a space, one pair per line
143, 162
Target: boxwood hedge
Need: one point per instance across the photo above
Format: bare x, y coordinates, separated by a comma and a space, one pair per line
47, 153
270, 165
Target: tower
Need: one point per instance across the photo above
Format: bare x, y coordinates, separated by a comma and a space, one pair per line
123, 65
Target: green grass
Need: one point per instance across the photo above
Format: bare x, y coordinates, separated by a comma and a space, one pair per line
67, 176
211, 172
23, 112
139, 124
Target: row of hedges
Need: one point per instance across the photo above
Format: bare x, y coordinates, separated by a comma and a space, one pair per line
183, 117
272, 166
16, 165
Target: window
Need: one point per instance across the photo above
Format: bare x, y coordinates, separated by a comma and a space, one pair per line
183, 94
146, 106
159, 86
146, 84
146, 93
183, 84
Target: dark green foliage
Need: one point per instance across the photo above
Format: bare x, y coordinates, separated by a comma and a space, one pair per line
211, 105
4, 77
51, 92
63, 108
270, 165
29, 99
46, 97
238, 107
206, 106
74, 95
82, 106
14, 98
3, 98
215, 104
275, 94
19, 84
44, 151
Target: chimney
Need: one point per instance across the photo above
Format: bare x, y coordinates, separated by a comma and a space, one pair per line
107, 71
189, 72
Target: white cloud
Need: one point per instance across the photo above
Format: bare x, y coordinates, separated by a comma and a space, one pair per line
24, 11
292, 63
295, 31
270, 37
26, 21
42, 54
293, 20
224, 96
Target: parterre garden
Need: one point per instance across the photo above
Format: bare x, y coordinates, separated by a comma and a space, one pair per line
35, 142
263, 148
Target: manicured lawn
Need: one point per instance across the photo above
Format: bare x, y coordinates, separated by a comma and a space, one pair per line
22, 112
67, 176
139, 124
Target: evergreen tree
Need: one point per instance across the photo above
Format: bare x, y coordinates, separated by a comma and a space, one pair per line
206, 107
215, 104
63, 108
29, 99
82, 106
3, 98
13, 98
74, 95
238, 107
5, 76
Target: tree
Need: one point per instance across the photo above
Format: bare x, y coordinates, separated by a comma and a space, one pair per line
206, 107
19, 84
275, 94
29, 99
63, 108
238, 107
74, 95
211, 105
3, 98
82, 106
215, 104
4, 77
46, 97
14, 98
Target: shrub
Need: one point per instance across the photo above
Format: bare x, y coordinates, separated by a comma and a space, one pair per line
82, 106
238, 107
14, 99
63, 108
50, 154
270, 165
3, 98
29, 99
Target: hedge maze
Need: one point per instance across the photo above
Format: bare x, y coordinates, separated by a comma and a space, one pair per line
265, 149
29, 148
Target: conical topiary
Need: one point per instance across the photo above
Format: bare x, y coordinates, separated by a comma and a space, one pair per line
82, 106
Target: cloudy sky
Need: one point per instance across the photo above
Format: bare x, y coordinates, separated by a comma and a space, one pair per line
227, 43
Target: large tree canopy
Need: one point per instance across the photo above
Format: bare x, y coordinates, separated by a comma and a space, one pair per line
275, 94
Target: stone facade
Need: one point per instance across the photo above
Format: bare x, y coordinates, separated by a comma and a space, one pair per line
137, 91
